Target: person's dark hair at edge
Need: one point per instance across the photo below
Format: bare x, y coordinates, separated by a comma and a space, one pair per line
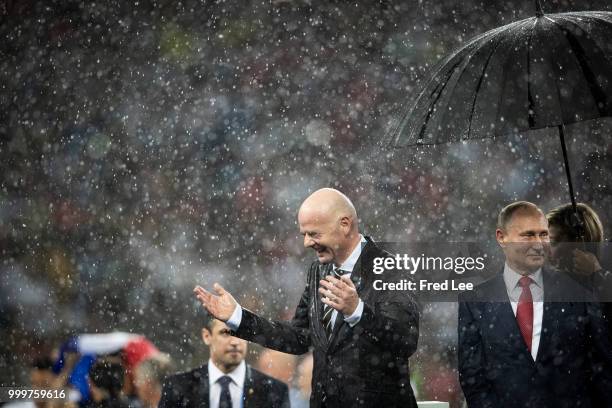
562, 217
107, 375
42, 363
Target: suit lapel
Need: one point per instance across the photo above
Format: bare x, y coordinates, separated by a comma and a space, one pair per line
316, 307
248, 391
341, 328
202, 394
550, 315
338, 325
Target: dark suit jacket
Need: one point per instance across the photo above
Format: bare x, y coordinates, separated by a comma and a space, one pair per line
573, 367
365, 365
190, 390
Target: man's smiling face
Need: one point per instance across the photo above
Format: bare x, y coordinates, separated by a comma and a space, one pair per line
525, 241
324, 234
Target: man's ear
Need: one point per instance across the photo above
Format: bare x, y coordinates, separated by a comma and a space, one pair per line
346, 222
501, 238
206, 336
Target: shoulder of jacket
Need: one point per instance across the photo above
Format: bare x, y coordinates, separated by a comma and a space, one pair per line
481, 290
261, 377
182, 376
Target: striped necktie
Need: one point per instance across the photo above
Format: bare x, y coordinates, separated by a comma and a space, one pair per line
328, 311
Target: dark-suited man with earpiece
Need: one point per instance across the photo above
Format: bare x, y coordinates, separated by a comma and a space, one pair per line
361, 338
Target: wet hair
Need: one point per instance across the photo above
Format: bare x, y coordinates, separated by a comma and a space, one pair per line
107, 374
587, 227
505, 215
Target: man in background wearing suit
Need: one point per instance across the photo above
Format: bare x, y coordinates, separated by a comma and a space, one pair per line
361, 338
521, 344
226, 381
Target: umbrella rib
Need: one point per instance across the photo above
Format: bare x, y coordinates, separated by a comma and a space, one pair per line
438, 69
465, 62
438, 92
409, 112
603, 52
486, 65
588, 14
530, 109
499, 102
426, 118
598, 94
439, 88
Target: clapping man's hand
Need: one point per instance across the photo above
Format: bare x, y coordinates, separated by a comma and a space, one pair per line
221, 306
340, 294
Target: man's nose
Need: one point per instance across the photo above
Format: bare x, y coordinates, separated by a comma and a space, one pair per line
234, 341
308, 242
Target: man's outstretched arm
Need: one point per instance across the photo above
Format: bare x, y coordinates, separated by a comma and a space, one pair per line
289, 337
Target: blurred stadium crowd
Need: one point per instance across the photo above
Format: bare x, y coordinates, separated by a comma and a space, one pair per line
149, 146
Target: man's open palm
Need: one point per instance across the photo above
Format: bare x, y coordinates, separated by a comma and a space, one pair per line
221, 306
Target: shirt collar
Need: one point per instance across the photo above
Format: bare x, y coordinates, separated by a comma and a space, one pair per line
350, 262
237, 375
512, 277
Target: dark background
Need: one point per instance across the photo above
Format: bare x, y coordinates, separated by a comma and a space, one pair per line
149, 146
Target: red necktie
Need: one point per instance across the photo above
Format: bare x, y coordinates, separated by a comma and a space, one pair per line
524, 311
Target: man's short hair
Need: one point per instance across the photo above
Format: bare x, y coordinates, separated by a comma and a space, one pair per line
505, 215
208, 319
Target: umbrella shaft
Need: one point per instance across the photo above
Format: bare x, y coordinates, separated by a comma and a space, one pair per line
568, 173
538, 7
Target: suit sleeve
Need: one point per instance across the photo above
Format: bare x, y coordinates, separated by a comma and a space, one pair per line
291, 337
477, 390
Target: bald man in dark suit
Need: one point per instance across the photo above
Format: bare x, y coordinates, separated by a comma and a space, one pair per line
361, 338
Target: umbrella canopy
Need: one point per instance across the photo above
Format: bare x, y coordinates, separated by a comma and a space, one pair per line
544, 71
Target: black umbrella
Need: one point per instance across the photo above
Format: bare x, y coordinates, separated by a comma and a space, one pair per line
546, 71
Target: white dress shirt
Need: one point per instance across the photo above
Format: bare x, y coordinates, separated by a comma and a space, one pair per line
236, 386
236, 318
511, 279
